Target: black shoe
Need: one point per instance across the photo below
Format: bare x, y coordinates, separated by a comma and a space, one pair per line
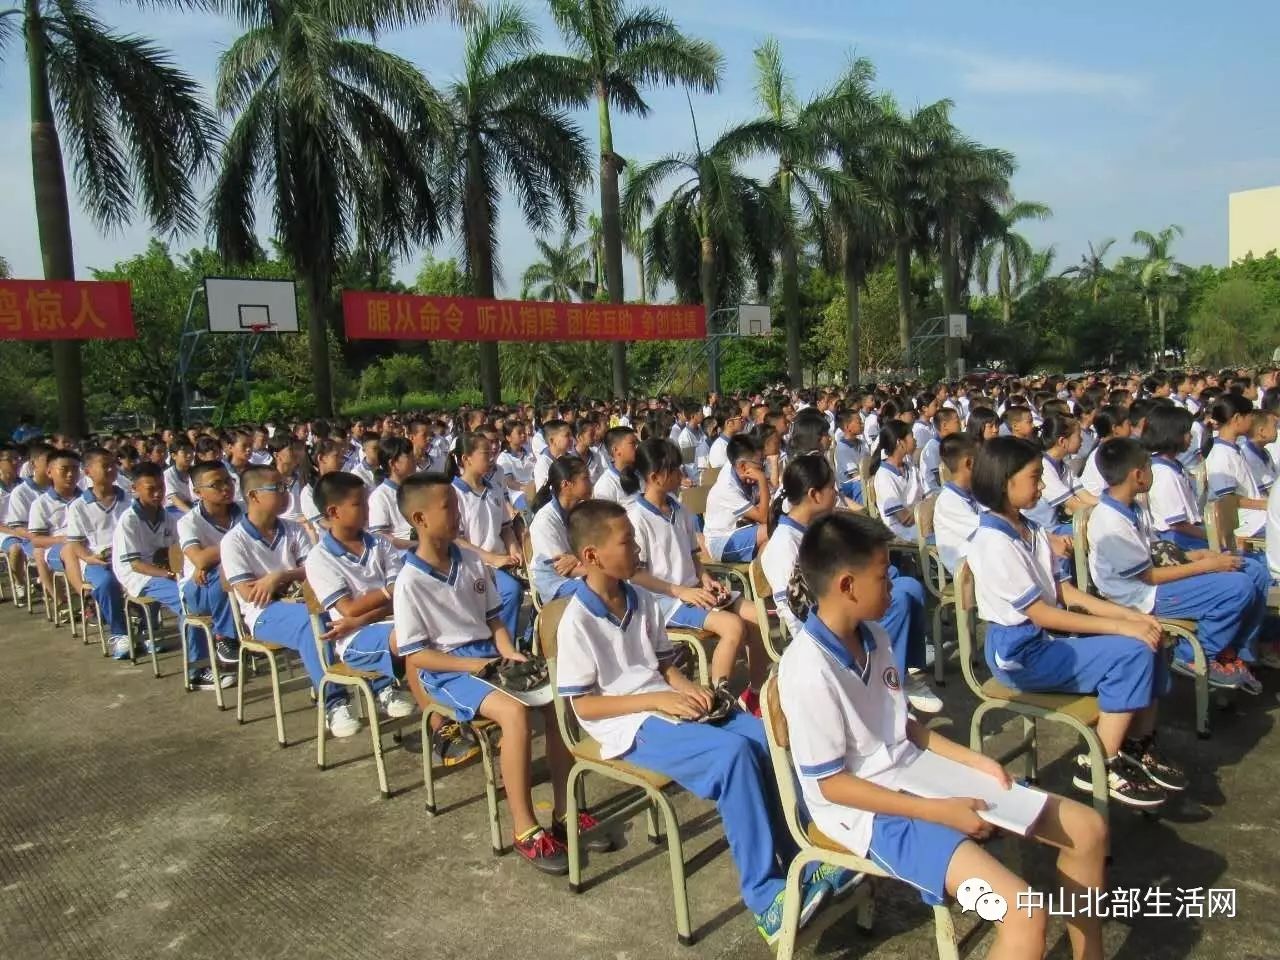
228, 651
1144, 753
599, 843
205, 679
1127, 782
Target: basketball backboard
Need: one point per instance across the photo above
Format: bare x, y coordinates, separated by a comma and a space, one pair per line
754, 320
239, 305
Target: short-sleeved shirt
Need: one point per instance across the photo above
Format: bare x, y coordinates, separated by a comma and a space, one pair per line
1091, 475
48, 514
849, 457
196, 528
1010, 572
1228, 473
1273, 532
368, 472
1260, 465
335, 573
1120, 552
518, 466
549, 536
484, 514
897, 489
1192, 456
1059, 486
444, 609
385, 517
727, 503
92, 522
21, 497
248, 555
843, 718
542, 468
598, 653
177, 487
718, 452
955, 520
778, 561
139, 536
667, 543
931, 466
1171, 499
310, 512
294, 487
609, 487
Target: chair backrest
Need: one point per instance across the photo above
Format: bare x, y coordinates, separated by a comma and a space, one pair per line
694, 499
766, 617
869, 489
924, 516
709, 476
316, 611
1080, 545
687, 455
935, 574
1221, 517
967, 625
237, 615
526, 548
546, 630
779, 737
530, 491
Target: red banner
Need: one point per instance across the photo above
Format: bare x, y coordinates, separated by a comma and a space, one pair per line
400, 316
65, 310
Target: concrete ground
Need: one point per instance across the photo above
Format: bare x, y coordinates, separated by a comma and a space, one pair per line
136, 821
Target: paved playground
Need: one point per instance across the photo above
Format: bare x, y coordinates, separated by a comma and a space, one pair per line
136, 821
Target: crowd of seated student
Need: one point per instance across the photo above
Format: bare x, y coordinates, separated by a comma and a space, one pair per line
407, 532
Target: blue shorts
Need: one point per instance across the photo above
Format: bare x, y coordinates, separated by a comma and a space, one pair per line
29, 549
917, 851
681, 614
463, 692
852, 490
9, 543
53, 559
738, 547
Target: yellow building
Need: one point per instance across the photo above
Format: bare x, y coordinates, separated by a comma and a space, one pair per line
1254, 223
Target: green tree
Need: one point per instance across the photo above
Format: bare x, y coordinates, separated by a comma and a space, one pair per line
336, 131
1234, 325
136, 126
441, 278
508, 127
877, 329
1092, 273
1156, 273
620, 51
561, 273
1009, 253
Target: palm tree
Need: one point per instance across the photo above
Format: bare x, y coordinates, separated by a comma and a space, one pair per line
137, 126
595, 244
1009, 252
633, 238
714, 228
619, 51
1093, 273
508, 126
1036, 272
1156, 274
560, 274
338, 132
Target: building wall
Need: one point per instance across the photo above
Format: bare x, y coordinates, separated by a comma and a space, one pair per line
1254, 223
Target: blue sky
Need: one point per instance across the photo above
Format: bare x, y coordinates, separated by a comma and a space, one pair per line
1122, 116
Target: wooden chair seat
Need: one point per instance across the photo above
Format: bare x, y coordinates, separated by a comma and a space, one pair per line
346, 670
690, 633
1188, 625
589, 750
262, 645
142, 600
1083, 707
821, 840
200, 620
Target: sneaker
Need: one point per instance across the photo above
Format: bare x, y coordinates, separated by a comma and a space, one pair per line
1247, 681
451, 745
121, 648
839, 880
1221, 676
20, 595
749, 701
1268, 655
342, 722
544, 851
146, 646
769, 923
205, 679
1144, 753
600, 843
921, 696
394, 702
227, 651
1127, 783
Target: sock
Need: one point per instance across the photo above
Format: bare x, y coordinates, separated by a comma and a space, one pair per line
529, 834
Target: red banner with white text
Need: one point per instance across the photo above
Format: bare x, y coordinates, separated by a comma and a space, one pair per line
400, 316
66, 310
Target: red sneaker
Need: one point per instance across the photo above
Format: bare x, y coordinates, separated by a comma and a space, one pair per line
749, 701
600, 843
545, 852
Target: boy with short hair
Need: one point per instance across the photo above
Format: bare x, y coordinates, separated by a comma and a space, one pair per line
365, 463
621, 445
288, 456
92, 519
956, 513
559, 437
200, 532
1019, 423
946, 422
718, 452
47, 518
15, 541
178, 498
352, 573
1253, 447
616, 666
736, 525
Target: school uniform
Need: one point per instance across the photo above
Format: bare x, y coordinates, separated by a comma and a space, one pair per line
718, 453
198, 528
337, 574
727, 503
146, 536
5, 493
847, 719
1226, 472
438, 454
549, 536
849, 457
310, 511
385, 518
177, 489
48, 518
260, 458
871, 428
1059, 487
92, 523
368, 472
609, 487
692, 438
931, 466
600, 654
18, 514
484, 517
955, 520
1091, 475
537, 442
1227, 610
518, 466
1011, 573
1192, 456
923, 433
448, 611
294, 487
1260, 464
667, 543
248, 555
542, 468
897, 488
598, 462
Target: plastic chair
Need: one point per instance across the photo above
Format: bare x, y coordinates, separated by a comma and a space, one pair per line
768, 620
203, 623
249, 646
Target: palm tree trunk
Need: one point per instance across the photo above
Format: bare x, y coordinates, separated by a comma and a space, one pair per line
53, 219
317, 293
791, 309
481, 259
1006, 287
902, 257
853, 297
611, 227
950, 297
707, 280
644, 291
1160, 310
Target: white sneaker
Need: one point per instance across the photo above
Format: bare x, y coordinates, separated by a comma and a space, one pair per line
394, 702
342, 722
120, 648
921, 696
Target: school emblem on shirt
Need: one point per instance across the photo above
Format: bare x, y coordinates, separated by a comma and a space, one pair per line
479, 588
891, 678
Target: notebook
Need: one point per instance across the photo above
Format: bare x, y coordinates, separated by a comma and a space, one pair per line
935, 777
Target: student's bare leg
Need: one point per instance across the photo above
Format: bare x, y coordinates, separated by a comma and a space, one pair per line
44, 574
730, 631
417, 691
1144, 722
1080, 834
1112, 729
515, 757
1019, 936
757, 656
559, 760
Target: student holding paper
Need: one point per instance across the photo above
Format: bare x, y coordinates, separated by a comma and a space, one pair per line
853, 744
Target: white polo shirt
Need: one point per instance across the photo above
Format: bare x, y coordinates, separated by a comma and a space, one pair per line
871, 428
955, 520
923, 432
1273, 532
21, 497
1010, 573
667, 544
1091, 476
849, 456
1171, 499
444, 609
718, 452
1059, 485
549, 536
598, 653
5, 493
93, 523
196, 528
177, 485
1191, 456
484, 515
139, 537
336, 574
537, 442
365, 471
294, 510
1260, 464
248, 555
48, 514
931, 466
1119, 552
843, 719
778, 561
310, 512
519, 467
727, 502
897, 489
1228, 473
609, 487
385, 517
542, 468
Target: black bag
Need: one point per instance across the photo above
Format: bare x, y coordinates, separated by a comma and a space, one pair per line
1166, 554
519, 676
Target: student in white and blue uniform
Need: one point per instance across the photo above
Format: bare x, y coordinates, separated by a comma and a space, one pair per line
568, 484
200, 533
91, 525
485, 526
1254, 448
559, 437
956, 512
895, 479
1226, 471
516, 463
1034, 643
735, 523
141, 542
395, 459
178, 498
47, 518
22, 496
620, 446
851, 450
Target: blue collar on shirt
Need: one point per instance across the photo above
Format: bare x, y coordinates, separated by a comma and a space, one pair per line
465, 487
234, 515
330, 543
33, 485
886, 465
847, 442
254, 532
748, 493
1057, 464
153, 524
1257, 451
1167, 462
1219, 442
555, 504
657, 511
55, 495
597, 607
993, 521
390, 483
90, 497
965, 495
1124, 510
833, 645
449, 576
785, 521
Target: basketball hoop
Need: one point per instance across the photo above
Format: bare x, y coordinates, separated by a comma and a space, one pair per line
260, 328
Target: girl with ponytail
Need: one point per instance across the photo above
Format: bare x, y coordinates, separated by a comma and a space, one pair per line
555, 569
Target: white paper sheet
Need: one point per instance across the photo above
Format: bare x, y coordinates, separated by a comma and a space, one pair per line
935, 777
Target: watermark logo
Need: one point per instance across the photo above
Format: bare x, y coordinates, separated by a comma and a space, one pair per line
976, 894
1197, 903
